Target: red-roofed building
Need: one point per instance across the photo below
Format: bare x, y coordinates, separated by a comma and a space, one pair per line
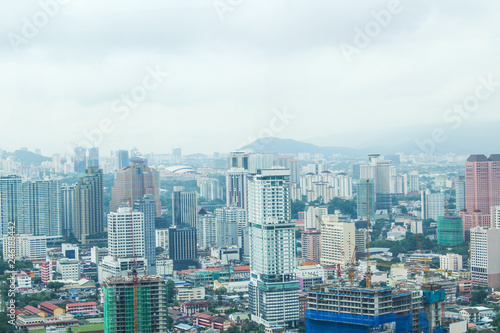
31, 310
87, 308
52, 309
206, 320
193, 307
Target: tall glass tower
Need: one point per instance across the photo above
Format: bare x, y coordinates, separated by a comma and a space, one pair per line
273, 288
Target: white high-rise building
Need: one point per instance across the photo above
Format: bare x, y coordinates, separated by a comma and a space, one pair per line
27, 246
161, 238
230, 223
495, 217
273, 288
207, 230
209, 189
432, 205
260, 161
485, 261
311, 221
125, 233
450, 262
338, 240
126, 246
414, 182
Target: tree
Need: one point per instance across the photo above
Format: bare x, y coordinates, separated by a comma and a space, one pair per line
478, 297
54, 285
170, 291
346, 207
233, 329
4, 323
221, 291
297, 206
170, 322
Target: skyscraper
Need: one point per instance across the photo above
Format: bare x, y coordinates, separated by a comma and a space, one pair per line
273, 287
126, 233
146, 205
311, 220
380, 171
414, 182
67, 209
433, 205
42, 207
233, 215
125, 244
311, 245
184, 204
206, 229
229, 225
80, 159
482, 190
484, 259
150, 299
11, 204
292, 164
176, 155
122, 159
182, 247
236, 188
238, 159
88, 203
93, 157
460, 193
132, 183
338, 239
209, 189
361, 199
260, 161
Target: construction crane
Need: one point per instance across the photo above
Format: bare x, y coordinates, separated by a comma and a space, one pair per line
134, 268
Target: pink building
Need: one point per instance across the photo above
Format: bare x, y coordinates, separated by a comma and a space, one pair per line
482, 190
311, 245
82, 308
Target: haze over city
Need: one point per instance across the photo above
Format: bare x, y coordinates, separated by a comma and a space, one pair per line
231, 66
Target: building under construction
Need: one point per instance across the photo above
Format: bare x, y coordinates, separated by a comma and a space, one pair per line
135, 304
378, 309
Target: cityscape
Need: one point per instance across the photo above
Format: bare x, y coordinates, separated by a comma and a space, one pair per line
231, 166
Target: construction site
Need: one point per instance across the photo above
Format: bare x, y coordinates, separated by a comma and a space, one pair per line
135, 304
346, 305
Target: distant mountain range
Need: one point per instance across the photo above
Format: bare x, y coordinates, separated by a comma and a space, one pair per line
469, 138
289, 146
27, 157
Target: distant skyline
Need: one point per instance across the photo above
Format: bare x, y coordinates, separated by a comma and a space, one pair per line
208, 76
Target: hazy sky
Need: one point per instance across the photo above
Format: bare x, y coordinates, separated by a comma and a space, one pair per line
239, 69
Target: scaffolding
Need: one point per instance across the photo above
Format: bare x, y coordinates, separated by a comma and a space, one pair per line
142, 310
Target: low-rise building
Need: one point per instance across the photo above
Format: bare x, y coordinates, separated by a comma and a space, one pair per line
52, 309
471, 315
450, 262
23, 281
193, 307
209, 321
189, 294
69, 269
82, 308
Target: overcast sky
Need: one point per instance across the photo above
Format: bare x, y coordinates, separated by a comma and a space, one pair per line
235, 65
